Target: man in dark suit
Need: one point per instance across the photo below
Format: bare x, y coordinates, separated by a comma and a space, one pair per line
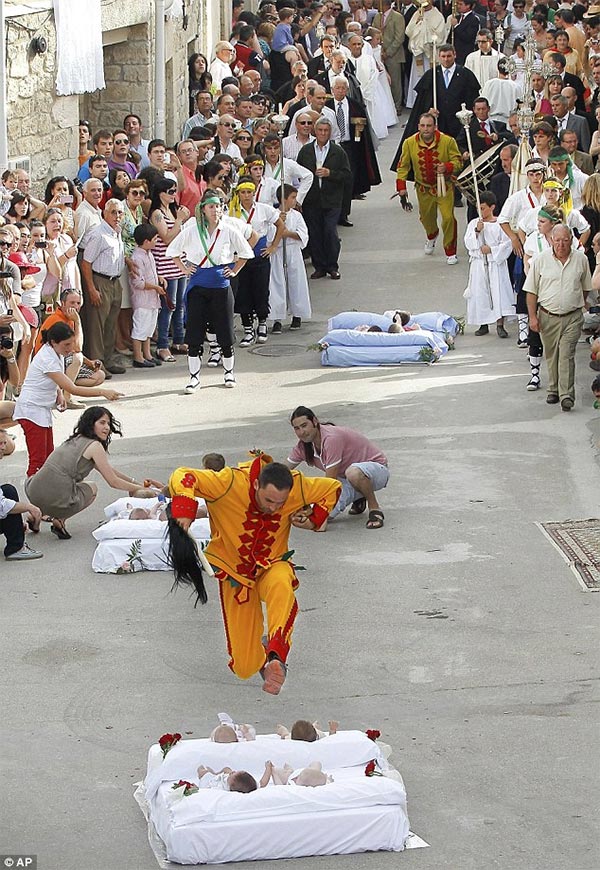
500, 182
484, 132
581, 159
320, 62
465, 28
455, 86
323, 203
361, 154
566, 120
341, 65
558, 61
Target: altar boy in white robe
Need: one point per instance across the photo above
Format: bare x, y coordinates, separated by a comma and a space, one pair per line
489, 294
296, 298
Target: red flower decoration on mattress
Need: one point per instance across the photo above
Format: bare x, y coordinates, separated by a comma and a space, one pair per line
371, 769
168, 741
190, 787
372, 733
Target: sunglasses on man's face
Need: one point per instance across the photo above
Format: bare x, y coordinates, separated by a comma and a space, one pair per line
121, 141
227, 124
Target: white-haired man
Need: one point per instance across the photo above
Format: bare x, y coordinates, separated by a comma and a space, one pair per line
323, 203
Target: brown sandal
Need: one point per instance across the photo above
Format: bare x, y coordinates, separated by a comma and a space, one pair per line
375, 520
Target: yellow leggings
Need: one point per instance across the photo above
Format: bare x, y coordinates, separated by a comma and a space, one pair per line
428, 209
243, 618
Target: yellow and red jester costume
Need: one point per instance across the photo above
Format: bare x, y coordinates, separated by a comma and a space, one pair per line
247, 550
423, 159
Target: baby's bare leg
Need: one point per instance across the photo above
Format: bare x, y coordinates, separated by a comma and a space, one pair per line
264, 780
281, 774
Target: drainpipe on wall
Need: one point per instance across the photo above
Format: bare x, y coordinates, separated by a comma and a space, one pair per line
3, 119
159, 71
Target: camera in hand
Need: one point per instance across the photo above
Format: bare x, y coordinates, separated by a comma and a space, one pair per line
5, 274
41, 244
6, 342
594, 309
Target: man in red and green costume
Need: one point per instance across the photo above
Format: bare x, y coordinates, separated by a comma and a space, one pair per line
428, 155
252, 509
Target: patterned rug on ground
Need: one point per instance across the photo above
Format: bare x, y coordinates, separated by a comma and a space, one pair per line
578, 542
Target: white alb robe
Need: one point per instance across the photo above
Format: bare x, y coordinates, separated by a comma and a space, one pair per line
384, 92
368, 76
481, 309
297, 299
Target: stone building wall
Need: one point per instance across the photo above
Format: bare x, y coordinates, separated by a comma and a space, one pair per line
44, 126
129, 78
40, 124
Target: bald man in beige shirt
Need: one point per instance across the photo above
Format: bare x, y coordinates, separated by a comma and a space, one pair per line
556, 287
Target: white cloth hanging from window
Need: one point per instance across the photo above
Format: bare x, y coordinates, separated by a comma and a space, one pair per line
80, 58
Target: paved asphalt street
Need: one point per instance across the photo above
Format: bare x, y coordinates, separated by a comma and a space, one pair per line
457, 629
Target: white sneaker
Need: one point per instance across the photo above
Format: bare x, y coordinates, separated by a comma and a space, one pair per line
453, 260
193, 385
429, 246
25, 553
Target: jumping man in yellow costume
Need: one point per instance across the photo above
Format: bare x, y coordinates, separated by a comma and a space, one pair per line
251, 509
428, 154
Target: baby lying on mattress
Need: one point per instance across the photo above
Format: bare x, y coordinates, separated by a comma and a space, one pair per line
302, 729
241, 781
228, 732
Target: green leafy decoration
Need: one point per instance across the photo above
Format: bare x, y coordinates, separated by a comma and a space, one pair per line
427, 354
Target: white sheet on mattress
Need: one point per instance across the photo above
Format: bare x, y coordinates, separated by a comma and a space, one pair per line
128, 546
344, 749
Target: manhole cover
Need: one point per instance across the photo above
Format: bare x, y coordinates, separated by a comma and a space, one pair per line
578, 542
277, 349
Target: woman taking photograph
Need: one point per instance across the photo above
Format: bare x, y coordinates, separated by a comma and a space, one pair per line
61, 194
168, 219
58, 488
10, 292
9, 374
61, 262
42, 391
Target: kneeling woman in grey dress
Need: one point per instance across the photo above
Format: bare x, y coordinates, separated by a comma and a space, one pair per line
59, 487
